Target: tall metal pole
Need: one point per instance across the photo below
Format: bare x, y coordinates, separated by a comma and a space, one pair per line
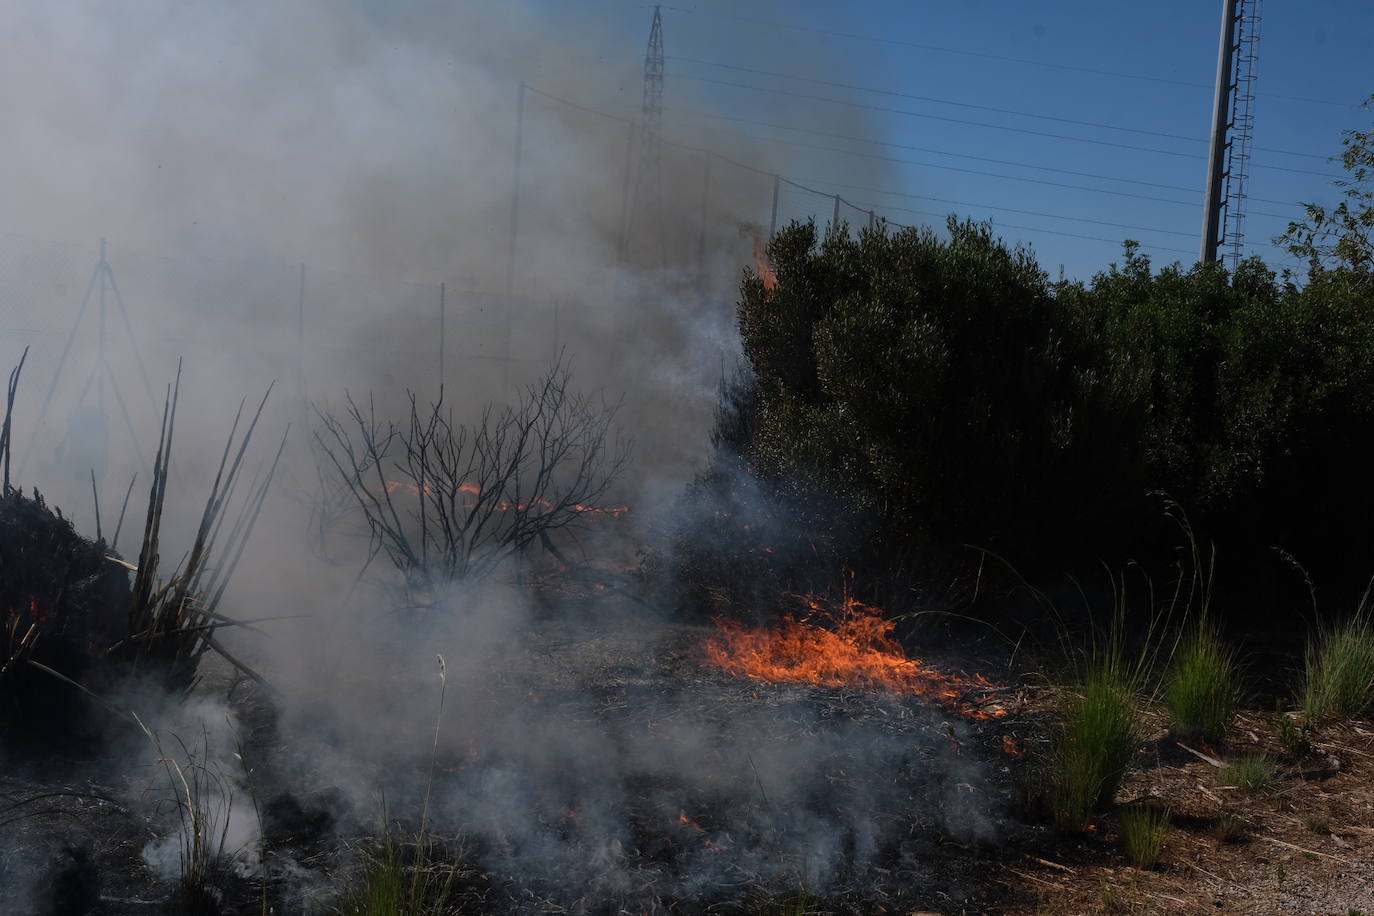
1211, 222
443, 308
514, 229
515, 194
103, 365
300, 333
773, 225
625, 196
701, 237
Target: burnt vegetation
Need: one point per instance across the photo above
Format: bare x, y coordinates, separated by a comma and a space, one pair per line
446, 501
923, 423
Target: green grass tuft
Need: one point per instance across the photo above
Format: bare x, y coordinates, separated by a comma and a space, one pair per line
1142, 829
1256, 772
1102, 729
1203, 685
1339, 677
397, 879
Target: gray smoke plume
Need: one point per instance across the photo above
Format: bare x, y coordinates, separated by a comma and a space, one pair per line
285, 186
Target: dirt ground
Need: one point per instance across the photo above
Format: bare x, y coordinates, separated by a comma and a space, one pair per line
1305, 845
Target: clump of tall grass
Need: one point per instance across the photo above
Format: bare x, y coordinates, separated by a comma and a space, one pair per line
1142, 829
1102, 727
1203, 684
1102, 719
399, 878
402, 879
1256, 772
1339, 671
204, 802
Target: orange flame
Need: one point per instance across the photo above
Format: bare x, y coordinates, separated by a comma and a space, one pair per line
473, 489
762, 266
687, 822
856, 649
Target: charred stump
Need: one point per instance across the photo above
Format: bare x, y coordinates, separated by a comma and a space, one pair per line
62, 597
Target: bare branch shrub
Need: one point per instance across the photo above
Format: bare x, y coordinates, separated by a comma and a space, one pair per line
447, 501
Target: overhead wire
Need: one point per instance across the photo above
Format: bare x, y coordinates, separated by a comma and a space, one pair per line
1010, 162
934, 99
983, 124
794, 183
888, 40
924, 149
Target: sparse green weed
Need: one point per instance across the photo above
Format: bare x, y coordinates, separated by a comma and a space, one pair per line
1292, 738
1142, 828
1229, 829
1256, 772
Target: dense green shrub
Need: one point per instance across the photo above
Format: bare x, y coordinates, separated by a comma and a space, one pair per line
932, 384
926, 391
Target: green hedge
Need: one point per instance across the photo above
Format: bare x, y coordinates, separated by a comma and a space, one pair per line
944, 392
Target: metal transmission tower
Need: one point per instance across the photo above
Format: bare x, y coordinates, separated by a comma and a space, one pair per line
648, 193
1233, 122
1242, 126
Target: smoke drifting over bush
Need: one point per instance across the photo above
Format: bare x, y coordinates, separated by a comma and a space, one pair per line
221, 147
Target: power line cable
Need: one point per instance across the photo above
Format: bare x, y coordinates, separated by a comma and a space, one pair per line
986, 174
986, 56
939, 101
1020, 130
924, 149
760, 171
1025, 114
931, 117
755, 169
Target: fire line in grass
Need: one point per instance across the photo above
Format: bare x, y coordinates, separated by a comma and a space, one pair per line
851, 646
471, 489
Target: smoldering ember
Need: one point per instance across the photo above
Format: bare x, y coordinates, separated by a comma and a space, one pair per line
537, 458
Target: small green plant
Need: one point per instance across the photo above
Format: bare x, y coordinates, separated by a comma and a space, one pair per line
1292, 738
403, 879
1203, 685
1256, 772
797, 903
1339, 676
1229, 828
1142, 828
1316, 822
407, 879
204, 800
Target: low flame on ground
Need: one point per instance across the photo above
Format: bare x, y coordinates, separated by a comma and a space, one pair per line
393, 486
762, 266
849, 647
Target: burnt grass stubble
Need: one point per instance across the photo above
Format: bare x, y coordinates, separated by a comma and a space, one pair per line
932, 789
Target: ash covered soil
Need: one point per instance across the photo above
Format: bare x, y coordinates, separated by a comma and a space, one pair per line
585, 763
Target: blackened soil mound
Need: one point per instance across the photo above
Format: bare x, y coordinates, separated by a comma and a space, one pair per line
62, 603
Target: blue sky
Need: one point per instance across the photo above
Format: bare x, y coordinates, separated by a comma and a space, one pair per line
1124, 65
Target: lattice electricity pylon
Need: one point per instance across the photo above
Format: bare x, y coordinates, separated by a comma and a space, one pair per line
102, 288
1246, 54
648, 193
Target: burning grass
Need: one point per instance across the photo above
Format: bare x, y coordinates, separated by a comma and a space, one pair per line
849, 646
